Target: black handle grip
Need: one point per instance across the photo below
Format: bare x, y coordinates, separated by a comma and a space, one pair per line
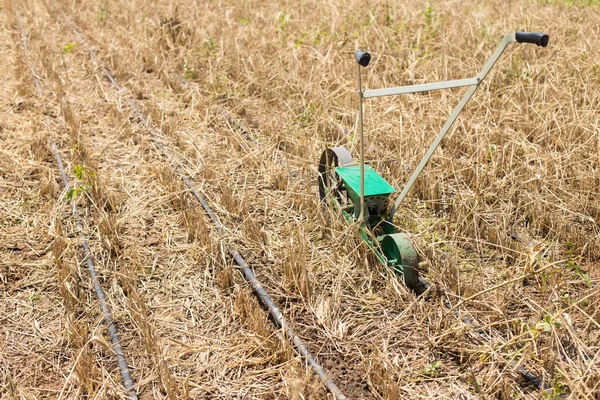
541, 39
362, 57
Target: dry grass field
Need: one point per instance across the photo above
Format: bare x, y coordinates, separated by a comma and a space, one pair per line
244, 96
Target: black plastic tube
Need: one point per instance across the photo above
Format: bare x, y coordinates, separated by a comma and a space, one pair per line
265, 299
107, 316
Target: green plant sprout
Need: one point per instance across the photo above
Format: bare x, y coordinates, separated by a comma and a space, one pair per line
82, 174
69, 47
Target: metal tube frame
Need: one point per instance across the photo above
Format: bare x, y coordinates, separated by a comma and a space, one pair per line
473, 83
362, 148
419, 88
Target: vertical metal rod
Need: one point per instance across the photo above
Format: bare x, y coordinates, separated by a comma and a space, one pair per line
362, 148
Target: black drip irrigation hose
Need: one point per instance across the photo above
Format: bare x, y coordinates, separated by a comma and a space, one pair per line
247, 272
266, 300
107, 316
108, 319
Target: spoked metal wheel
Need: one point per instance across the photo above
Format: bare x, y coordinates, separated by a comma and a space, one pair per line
330, 183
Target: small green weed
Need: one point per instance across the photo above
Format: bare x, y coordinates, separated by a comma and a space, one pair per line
210, 44
190, 73
577, 271
102, 14
556, 393
69, 47
74, 192
284, 21
428, 13
82, 174
546, 324
308, 114
433, 368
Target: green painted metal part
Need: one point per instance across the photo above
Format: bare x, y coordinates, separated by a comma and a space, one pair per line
401, 256
375, 185
392, 249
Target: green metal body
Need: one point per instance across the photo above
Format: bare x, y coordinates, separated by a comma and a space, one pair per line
376, 192
374, 184
392, 249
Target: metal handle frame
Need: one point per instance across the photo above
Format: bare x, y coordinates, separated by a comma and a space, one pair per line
473, 83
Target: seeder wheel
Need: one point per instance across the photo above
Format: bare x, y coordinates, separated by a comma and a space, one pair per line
329, 181
399, 251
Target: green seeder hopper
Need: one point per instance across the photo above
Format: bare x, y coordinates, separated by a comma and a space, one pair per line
363, 196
